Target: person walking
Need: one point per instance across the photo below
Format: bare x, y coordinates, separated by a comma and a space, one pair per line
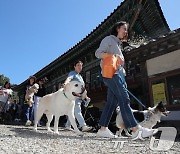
75, 76
27, 108
41, 92
117, 94
4, 96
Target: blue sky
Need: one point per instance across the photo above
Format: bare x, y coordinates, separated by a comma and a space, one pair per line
33, 33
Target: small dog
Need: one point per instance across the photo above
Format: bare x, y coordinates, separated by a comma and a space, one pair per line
4, 97
7, 92
30, 93
147, 118
61, 103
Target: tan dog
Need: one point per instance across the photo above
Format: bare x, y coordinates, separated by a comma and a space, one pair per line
60, 103
30, 93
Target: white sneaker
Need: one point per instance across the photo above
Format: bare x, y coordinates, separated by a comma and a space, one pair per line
106, 133
28, 123
142, 133
86, 128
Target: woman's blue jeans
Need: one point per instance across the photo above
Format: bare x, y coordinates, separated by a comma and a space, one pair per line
78, 114
28, 111
117, 95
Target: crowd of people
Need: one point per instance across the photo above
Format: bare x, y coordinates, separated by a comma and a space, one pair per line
110, 47
26, 113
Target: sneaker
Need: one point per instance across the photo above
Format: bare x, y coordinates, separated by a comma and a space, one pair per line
39, 125
28, 123
86, 128
142, 133
106, 133
69, 128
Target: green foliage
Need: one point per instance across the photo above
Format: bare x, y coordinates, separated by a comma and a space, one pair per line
3, 79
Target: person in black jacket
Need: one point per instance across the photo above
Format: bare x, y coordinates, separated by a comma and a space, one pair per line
41, 92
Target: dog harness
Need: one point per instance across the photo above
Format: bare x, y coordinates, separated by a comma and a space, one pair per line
147, 116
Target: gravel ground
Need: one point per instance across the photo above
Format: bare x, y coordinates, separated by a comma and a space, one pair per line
20, 139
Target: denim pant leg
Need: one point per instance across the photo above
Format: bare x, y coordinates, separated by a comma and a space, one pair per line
108, 110
78, 115
118, 87
26, 111
31, 113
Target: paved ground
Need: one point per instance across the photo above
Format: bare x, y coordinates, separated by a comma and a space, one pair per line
20, 139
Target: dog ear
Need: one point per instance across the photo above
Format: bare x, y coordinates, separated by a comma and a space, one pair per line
160, 103
66, 86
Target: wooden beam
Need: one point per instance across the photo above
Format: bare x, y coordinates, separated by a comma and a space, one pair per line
139, 6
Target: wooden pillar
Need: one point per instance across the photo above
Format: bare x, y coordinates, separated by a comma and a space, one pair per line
145, 86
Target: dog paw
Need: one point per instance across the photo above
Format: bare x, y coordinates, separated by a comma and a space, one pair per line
35, 129
139, 136
49, 131
118, 133
80, 133
56, 132
128, 135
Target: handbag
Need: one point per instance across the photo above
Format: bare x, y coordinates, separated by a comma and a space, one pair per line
110, 65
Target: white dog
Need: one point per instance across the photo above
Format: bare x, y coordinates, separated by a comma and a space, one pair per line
30, 93
147, 118
60, 103
8, 91
4, 96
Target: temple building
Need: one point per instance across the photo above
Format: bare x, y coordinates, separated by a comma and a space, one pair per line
152, 59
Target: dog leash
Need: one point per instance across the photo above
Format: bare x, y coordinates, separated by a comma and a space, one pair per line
137, 99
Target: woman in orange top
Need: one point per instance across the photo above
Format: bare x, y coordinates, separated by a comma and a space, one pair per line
117, 94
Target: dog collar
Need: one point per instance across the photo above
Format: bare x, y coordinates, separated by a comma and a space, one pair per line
65, 94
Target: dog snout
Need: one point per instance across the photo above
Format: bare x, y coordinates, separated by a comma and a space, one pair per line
166, 113
82, 89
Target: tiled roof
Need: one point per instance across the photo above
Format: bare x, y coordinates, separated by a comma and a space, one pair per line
150, 40
116, 12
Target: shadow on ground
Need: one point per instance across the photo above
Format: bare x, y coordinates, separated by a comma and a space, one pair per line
28, 132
